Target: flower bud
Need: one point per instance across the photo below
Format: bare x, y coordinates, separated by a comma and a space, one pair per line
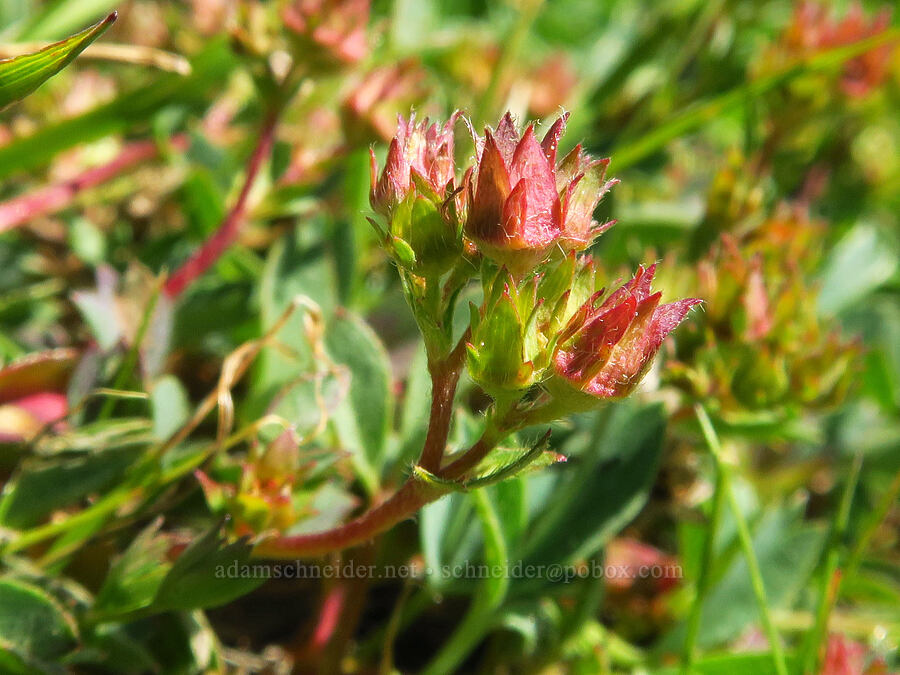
514, 333
497, 359
332, 30
281, 459
607, 347
521, 205
413, 194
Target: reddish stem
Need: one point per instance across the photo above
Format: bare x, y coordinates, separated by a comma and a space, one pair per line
469, 460
206, 256
444, 378
330, 614
54, 198
412, 496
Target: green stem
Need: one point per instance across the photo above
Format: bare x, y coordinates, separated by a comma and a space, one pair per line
36, 535
830, 582
746, 542
868, 531
704, 580
486, 601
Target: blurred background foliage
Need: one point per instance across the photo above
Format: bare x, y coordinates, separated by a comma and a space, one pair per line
758, 148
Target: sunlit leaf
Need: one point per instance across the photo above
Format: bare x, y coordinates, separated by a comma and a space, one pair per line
21, 75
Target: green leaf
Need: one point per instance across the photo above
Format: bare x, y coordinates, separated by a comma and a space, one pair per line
295, 266
489, 597
363, 419
696, 115
861, 262
746, 663
87, 241
415, 409
208, 574
208, 71
787, 551
32, 623
135, 577
330, 505
112, 649
21, 75
597, 494
449, 534
43, 487
202, 201
170, 405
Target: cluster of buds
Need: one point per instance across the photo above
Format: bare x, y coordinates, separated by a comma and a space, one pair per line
415, 194
762, 346
520, 218
261, 496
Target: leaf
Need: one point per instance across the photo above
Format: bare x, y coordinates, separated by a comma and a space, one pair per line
43, 487
752, 663
415, 409
135, 577
36, 373
860, 262
87, 241
203, 202
295, 266
787, 550
411, 24
350, 237
208, 70
208, 574
111, 648
330, 505
21, 75
170, 405
599, 492
32, 623
489, 597
100, 308
449, 535
363, 419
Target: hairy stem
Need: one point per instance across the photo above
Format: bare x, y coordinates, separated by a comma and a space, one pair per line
444, 379
214, 247
412, 496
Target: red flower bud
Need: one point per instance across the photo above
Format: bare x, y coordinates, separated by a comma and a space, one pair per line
423, 152
521, 204
606, 347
